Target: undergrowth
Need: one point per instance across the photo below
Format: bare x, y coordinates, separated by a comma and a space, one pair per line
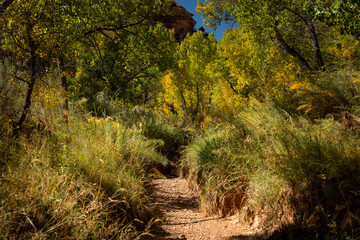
82, 181
172, 132
291, 169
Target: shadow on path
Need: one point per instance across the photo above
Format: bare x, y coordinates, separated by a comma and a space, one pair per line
179, 208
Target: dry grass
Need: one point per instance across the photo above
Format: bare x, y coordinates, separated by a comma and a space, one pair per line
267, 163
84, 181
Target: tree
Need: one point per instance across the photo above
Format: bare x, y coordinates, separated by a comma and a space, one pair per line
19, 37
282, 21
342, 13
250, 69
42, 34
129, 65
190, 79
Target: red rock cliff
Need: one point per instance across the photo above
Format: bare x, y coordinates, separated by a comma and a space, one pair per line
179, 19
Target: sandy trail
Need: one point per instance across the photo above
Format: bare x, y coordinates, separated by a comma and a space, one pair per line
183, 220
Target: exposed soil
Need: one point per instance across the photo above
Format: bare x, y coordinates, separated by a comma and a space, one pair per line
179, 207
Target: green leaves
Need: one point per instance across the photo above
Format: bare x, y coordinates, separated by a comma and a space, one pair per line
191, 79
111, 42
342, 13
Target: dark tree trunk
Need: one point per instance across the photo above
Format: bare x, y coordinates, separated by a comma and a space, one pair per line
315, 43
145, 97
33, 68
64, 89
313, 38
197, 102
31, 84
184, 105
27, 104
280, 41
5, 4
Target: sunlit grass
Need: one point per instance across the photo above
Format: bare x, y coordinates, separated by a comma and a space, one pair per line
277, 161
83, 181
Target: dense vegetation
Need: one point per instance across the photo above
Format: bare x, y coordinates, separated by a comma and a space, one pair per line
96, 100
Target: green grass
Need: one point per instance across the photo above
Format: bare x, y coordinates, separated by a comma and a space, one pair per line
268, 162
84, 181
165, 128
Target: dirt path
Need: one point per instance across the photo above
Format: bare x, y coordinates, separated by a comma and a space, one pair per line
179, 206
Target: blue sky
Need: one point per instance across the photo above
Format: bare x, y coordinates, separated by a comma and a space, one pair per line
190, 5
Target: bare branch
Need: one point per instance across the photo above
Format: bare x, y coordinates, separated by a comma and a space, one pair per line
20, 79
115, 28
231, 85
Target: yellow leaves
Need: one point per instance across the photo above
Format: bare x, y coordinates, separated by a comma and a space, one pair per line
356, 80
282, 76
350, 53
308, 108
167, 81
303, 106
109, 119
182, 63
170, 95
206, 122
78, 74
165, 109
296, 86
92, 119
66, 113
116, 125
325, 92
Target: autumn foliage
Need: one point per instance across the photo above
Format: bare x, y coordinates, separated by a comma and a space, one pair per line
95, 101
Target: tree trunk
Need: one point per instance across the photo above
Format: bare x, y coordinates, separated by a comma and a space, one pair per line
313, 37
5, 4
27, 104
31, 84
197, 102
64, 89
280, 41
315, 43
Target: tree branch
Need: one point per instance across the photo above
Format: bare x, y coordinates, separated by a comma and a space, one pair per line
20, 79
231, 85
114, 28
313, 37
129, 79
280, 41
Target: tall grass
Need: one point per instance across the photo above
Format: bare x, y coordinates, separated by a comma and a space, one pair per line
84, 181
155, 125
266, 161
322, 94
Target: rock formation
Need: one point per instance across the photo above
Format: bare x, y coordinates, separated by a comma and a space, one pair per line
179, 19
